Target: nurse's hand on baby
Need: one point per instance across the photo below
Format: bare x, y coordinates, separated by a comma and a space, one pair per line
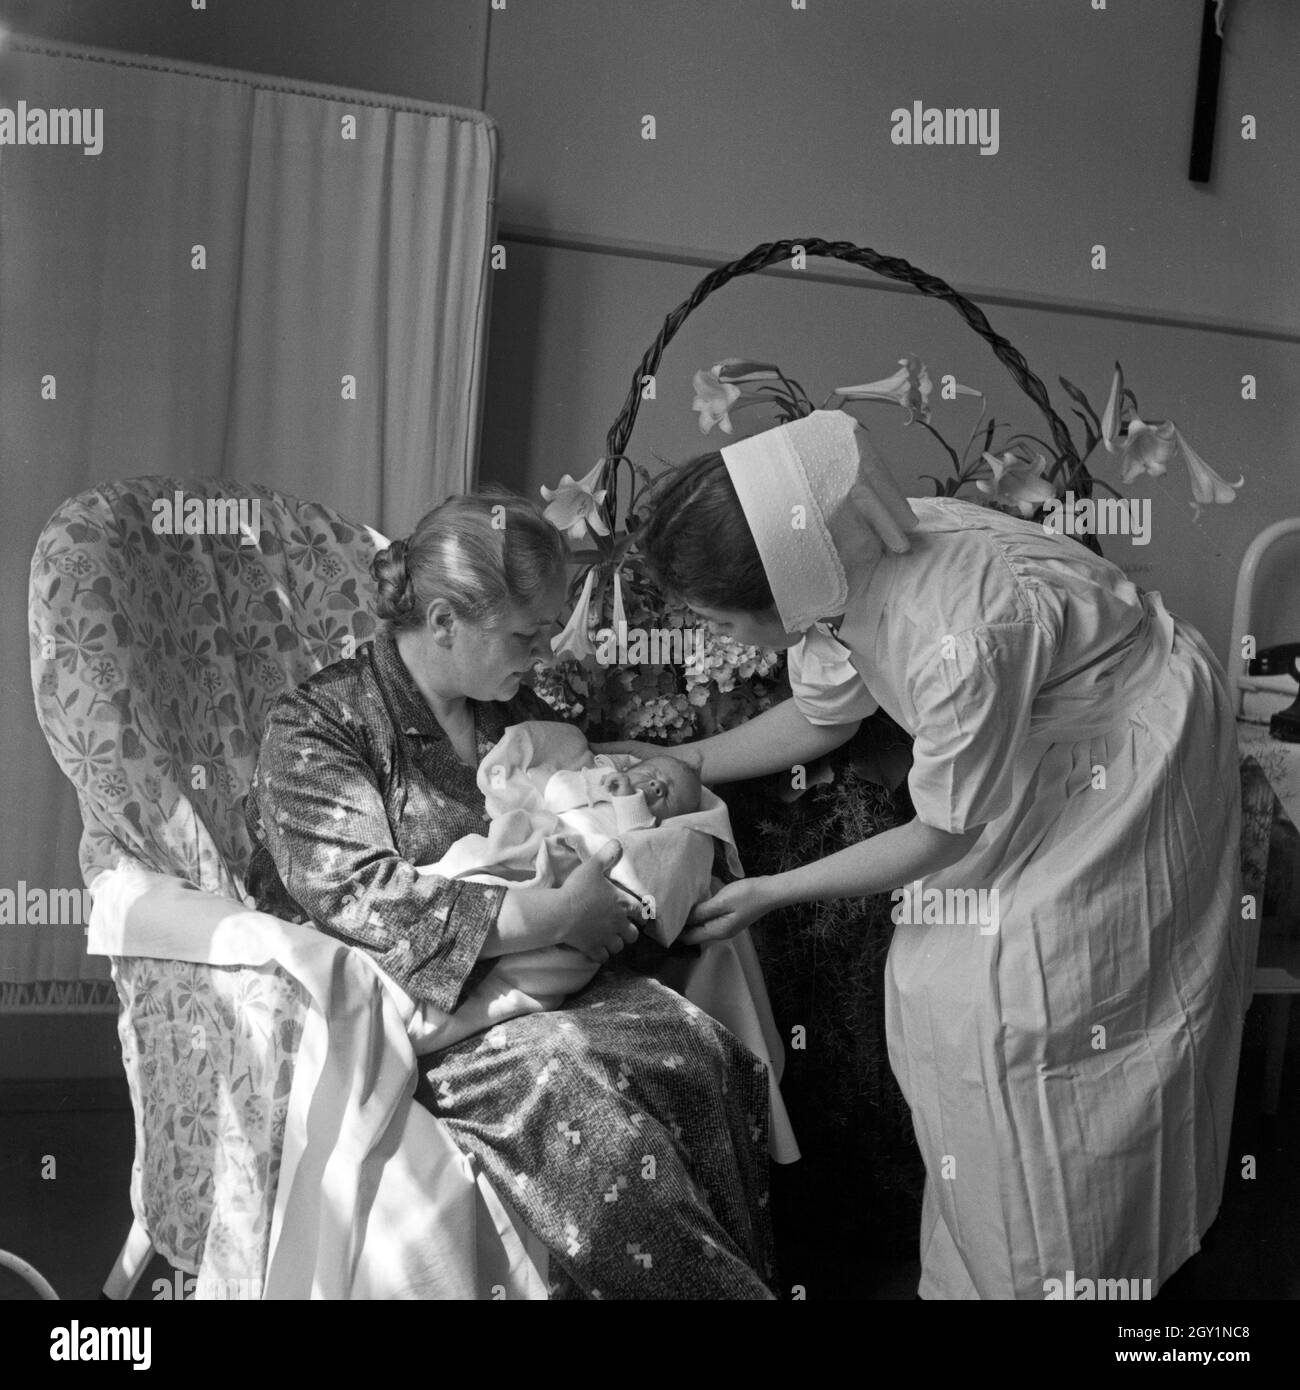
683, 752
729, 911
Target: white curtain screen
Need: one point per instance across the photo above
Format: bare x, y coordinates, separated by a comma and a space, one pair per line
343, 234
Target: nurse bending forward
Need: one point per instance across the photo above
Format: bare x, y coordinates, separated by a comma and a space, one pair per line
1069, 1058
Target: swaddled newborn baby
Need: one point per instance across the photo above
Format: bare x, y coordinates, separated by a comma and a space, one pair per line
670, 787
641, 793
553, 804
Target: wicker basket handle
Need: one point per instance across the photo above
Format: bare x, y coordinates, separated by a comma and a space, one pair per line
771, 253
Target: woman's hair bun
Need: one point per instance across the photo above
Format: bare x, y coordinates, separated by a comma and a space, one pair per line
396, 591
479, 553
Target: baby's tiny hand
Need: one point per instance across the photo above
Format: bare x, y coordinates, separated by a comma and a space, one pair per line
619, 784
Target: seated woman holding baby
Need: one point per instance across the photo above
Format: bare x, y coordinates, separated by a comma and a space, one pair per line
371, 770
553, 806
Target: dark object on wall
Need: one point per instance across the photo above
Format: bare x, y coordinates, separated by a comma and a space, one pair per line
1207, 96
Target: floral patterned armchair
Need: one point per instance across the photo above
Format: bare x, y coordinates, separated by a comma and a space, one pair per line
155, 658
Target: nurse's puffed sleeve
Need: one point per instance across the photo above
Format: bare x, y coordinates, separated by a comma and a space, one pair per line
972, 696
825, 686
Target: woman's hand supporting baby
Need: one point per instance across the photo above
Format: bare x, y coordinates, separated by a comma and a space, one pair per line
598, 922
586, 913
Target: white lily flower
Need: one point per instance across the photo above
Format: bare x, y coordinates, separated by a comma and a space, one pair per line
1148, 447
713, 399
575, 505
574, 640
1017, 482
1207, 485
909, 387
620, 612
1110, 416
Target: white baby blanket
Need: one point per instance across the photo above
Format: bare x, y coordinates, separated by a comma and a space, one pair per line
551, 810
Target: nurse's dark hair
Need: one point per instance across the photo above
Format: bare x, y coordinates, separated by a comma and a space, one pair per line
483, 552
696, 541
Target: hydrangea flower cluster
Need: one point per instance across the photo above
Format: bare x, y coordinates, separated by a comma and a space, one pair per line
721, 684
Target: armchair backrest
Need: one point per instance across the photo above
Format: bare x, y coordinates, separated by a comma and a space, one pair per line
164, 618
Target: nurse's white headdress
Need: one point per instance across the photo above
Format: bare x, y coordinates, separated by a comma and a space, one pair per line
819, 504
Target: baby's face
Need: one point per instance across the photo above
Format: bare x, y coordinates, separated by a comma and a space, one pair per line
671, 787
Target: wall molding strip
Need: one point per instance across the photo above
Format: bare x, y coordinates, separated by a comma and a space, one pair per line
708, 260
